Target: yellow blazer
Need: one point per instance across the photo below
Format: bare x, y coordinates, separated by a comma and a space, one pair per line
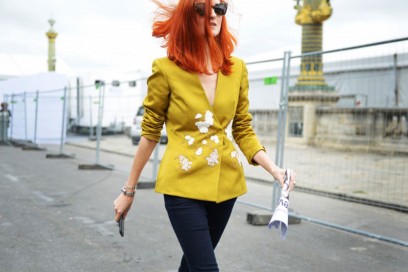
200, 160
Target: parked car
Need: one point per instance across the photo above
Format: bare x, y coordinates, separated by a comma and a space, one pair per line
136, 128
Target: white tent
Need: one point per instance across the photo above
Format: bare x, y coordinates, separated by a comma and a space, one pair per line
38, 120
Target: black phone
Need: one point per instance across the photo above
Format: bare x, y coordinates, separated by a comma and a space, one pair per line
121, 224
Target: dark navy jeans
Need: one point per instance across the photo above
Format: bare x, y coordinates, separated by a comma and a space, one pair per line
198, 226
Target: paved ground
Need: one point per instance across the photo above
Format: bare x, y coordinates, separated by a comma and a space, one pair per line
55, 217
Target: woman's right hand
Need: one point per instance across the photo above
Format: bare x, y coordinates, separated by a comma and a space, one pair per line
122, 205
123, 202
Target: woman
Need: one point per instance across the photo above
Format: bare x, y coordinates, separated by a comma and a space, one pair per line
197, 90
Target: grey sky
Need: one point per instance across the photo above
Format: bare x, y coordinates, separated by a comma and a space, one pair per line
101, 34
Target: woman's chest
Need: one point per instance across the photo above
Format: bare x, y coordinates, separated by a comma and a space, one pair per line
209, 86
192, 97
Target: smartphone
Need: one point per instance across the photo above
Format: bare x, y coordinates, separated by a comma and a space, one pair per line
121, 224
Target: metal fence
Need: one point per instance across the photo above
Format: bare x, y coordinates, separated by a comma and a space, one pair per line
347, 137
49, 119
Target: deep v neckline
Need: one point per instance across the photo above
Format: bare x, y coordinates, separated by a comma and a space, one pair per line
210, 98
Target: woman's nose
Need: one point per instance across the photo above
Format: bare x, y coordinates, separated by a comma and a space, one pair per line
213, 14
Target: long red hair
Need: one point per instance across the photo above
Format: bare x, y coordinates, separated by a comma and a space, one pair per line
177, 24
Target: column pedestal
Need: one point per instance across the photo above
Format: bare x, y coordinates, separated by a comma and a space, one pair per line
302, 114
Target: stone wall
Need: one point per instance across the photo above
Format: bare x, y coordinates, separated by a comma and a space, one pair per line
369, 129
380, 130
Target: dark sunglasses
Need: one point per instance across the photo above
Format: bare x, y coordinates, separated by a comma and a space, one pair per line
219, 9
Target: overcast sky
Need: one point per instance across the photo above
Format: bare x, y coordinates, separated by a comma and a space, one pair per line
101, 34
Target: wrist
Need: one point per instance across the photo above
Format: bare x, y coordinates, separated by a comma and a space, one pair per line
127, 192
131, 183
129, 187
275, 170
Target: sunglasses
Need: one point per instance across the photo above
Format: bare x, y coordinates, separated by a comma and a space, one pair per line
219, 9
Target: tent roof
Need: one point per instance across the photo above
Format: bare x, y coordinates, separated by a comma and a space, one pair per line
21, 65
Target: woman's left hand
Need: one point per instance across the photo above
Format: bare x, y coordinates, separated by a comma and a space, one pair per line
279, 175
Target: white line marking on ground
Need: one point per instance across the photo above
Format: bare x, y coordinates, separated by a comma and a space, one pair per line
12, 178
99, 227
42, 196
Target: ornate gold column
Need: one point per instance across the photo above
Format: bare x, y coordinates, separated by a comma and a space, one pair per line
311, 17
52, 35
311, 91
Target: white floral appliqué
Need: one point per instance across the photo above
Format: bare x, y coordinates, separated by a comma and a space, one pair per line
235, 154
204, 142
213, 158
198, 116
190, 139
204, 125
199, 151
185, 163
215, 139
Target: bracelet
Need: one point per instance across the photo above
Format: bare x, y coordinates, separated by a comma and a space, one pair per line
126, 193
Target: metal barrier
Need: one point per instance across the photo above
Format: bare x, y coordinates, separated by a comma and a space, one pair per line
99, 110
347, 138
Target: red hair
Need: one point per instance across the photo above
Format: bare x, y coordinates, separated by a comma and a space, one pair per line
177, 24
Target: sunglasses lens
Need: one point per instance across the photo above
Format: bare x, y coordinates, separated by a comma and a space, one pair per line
220, 9
200, 8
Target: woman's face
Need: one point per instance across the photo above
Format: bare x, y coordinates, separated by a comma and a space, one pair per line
215, 19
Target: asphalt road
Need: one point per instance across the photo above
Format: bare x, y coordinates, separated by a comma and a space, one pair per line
54, 217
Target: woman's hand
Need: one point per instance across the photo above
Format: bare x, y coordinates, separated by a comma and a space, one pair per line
279, 175
122, 205
123, 202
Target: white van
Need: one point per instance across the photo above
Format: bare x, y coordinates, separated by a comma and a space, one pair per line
136, 128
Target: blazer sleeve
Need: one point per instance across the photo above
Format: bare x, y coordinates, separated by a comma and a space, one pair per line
242, 130
156, 102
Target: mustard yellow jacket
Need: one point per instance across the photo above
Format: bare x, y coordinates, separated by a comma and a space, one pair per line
200, 160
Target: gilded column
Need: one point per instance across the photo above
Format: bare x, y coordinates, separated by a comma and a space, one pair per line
311, 91
52, 35
311, 17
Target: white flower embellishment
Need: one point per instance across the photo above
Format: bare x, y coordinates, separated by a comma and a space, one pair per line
199, 151
213, 158
235, 154
215, 139
190, 139
204, 125
185, 163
